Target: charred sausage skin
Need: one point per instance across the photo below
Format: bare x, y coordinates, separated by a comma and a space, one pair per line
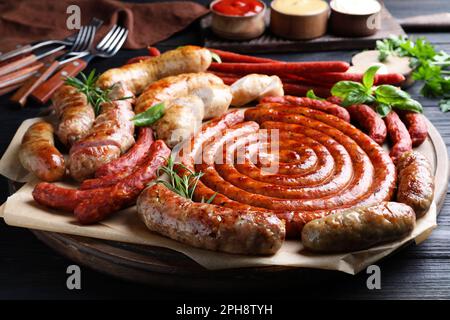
209, 226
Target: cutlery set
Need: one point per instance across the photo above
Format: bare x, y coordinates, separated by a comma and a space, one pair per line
39, 69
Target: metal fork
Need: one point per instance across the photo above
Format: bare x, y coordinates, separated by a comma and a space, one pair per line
109, 45
29, 48
82, 42
106, 48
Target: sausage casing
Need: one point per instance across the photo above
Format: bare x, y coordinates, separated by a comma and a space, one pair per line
209, 226
255, 86
417, 126
358, 229
38, 154
216, 99
182, 117
111, 135
75, 114
174, 87
137, 76
415, 182
398, 134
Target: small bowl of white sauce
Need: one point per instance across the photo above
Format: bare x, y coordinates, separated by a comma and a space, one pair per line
355, 18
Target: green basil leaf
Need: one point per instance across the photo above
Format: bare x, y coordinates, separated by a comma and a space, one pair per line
343, 88
356, 97
149, 116
409, 104
310, 94
369, 77
215, 57
389, 94
383, 109
445, 105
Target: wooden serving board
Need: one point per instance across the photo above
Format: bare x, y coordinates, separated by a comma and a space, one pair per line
271, 43
172, 269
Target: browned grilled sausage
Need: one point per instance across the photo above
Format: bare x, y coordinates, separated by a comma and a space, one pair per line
333, 151
137, 76
358, 229
417, 126
415, 182
75, 113
209, 226
111, 135
90, 206
38, 154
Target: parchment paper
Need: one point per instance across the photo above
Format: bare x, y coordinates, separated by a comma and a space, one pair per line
21, 210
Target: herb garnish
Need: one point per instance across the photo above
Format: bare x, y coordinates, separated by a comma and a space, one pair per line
430, 65
310, 94
149, 116
87, 85
183, 185
385, 97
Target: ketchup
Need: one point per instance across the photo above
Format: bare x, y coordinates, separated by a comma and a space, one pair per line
238, 7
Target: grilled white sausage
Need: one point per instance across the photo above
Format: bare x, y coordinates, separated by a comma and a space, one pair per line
137, 76
182, 117
174, 87
75, 114
255, 86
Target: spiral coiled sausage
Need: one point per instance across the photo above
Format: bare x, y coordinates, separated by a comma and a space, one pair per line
323, 164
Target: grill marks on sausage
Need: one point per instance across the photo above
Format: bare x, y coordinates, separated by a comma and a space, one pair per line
209, 226
111, 135
90, 206
114, 171
355, 169
75, 114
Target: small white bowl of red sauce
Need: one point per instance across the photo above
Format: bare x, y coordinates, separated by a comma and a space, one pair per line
238, 19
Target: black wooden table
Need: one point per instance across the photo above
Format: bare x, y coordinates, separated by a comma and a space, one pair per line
30, 270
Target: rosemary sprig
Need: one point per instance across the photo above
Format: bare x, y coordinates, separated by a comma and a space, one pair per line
183, 185
87, 85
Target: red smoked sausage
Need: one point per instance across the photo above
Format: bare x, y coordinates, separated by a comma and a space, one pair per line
398, 135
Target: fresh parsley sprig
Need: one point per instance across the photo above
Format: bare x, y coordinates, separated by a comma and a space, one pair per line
384, 97
429, 64
183, 185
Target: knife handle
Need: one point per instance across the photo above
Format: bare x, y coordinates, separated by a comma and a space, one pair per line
21, 96
17, 64
19, 75
10, 88
43, 93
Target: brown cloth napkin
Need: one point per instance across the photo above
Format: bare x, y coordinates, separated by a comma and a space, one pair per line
25, 21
